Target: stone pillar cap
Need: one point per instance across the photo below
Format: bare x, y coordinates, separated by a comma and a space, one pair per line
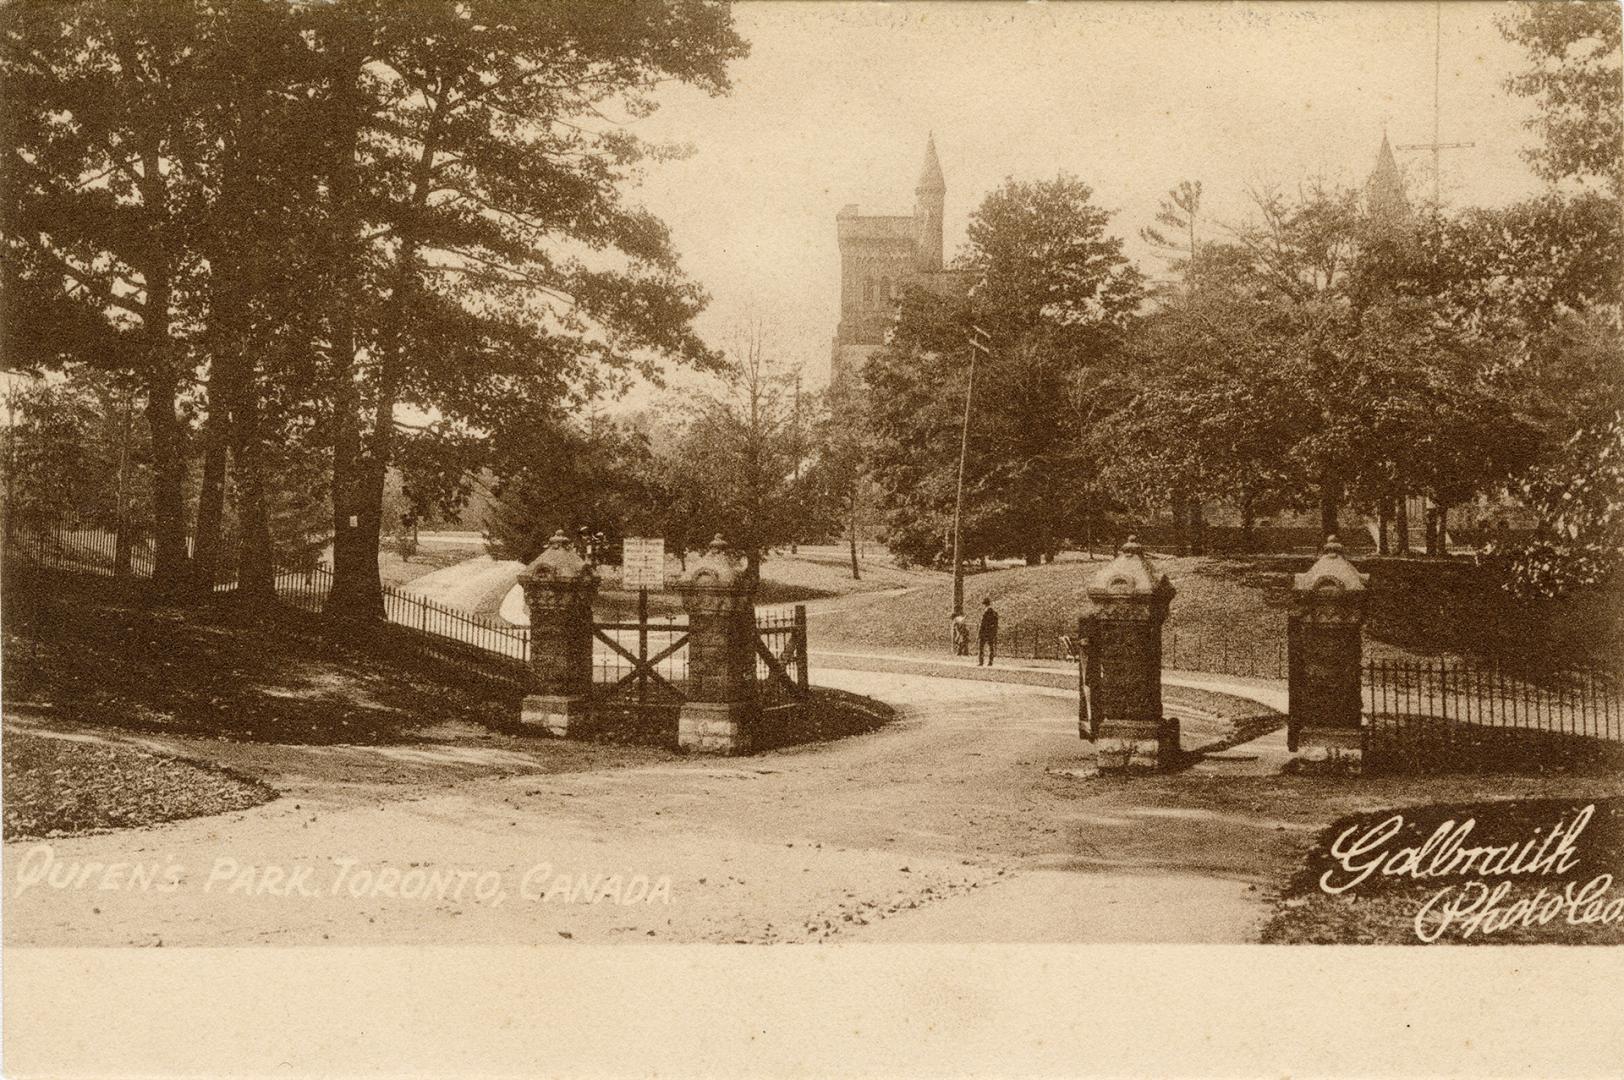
1131, 573
1331, 573
559, 561
718, 568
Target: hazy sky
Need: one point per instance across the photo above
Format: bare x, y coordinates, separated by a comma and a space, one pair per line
834, 102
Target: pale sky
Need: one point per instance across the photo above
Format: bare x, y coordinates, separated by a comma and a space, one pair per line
835, 100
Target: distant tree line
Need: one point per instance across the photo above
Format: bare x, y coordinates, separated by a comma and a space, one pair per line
1339, 351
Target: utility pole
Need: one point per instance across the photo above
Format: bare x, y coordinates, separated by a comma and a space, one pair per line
1437, 146
980, 342
795, 449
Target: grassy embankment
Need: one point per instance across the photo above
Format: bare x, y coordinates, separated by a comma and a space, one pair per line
1418, 609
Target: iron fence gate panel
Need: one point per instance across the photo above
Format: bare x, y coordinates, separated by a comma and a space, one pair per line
640, 663
782, 676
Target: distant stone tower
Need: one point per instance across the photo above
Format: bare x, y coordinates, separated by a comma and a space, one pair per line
880, 256
929, 196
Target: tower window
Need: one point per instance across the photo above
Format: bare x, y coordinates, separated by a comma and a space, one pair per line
868, 290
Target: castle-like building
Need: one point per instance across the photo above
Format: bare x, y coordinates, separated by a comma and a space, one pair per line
880, 255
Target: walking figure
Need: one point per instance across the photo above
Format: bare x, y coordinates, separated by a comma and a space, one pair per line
987, 646
961, 635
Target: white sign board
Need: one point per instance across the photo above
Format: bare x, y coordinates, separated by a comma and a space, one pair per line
642, 563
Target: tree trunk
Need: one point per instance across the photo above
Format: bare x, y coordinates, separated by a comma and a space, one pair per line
228, 317
256, 560
1248, 522
1443, 529
1384, 514
1181, 531
1330, 497
362, 595
1198, 528
171, 567
356, 593
211, 503
856, 574
1401, 524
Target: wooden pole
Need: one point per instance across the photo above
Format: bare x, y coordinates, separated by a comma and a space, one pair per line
958, 501
978, 343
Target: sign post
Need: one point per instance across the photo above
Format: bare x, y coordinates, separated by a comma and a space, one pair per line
642, 567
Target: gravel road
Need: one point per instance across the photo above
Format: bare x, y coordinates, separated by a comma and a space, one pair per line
955, 823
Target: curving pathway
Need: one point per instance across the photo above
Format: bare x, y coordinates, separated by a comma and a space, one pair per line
961, 821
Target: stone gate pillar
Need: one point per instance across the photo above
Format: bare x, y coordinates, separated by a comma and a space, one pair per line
558, 589
721, 712
1324, 652
1131, 597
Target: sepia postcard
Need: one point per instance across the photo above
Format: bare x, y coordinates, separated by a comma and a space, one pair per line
668, 537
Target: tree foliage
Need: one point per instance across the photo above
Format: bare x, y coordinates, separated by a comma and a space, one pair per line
1574, 77
1056, 296
296, 224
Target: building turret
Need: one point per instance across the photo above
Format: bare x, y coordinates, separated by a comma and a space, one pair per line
1384, 191
929, 196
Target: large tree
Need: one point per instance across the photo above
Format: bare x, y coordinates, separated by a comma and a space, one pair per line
484, 258
1054, 292
300, 225
733, 459
596, 474
106, 162
1555, 270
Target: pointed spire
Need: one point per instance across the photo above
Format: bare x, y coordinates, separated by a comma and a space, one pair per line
930, 177
1384, 191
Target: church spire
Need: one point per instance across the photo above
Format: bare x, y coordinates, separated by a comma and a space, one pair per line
930, 176
929, 197
1384, 191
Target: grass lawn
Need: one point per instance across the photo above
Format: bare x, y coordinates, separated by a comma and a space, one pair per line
99, 654
822, 570
394, 570
59, 787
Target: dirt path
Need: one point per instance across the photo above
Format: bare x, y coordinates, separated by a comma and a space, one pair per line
956, 823
468, 584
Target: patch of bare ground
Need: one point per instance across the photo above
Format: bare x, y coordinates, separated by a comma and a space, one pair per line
62, 787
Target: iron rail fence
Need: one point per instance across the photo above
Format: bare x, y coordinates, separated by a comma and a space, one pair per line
1220, 654
1224, 654
1438, 699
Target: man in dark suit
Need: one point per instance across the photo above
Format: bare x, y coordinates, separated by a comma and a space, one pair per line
987, 647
